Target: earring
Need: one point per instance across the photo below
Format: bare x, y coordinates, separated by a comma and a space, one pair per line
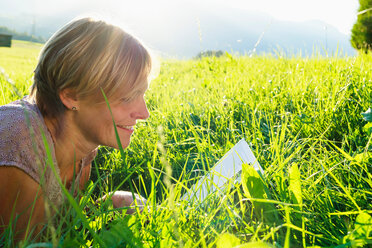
73, 108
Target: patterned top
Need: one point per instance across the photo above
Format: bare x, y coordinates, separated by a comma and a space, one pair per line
23, 135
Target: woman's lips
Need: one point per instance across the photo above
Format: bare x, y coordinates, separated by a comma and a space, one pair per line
129, 129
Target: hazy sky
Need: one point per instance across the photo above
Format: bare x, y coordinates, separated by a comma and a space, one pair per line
339, 13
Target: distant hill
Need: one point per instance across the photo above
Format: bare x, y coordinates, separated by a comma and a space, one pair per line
21, 36
239, 31
187, 31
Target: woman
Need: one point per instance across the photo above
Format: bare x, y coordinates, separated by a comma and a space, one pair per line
66, 116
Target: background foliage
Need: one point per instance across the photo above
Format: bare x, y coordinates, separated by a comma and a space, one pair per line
361, 33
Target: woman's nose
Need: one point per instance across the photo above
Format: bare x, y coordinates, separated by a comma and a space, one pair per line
146, 113
141, 110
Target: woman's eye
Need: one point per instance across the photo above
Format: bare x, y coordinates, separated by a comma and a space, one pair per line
125, 100
133, 97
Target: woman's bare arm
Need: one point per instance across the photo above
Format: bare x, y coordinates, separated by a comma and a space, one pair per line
21, 200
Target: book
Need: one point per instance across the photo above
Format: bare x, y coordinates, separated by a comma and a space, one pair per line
228, 168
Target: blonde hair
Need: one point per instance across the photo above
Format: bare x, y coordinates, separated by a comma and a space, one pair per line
87, 55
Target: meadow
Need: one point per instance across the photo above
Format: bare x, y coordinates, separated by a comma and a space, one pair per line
306, 120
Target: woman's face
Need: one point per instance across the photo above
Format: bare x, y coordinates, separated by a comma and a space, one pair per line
94, 121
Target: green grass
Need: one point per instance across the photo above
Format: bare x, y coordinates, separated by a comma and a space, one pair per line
301, 116
18, 62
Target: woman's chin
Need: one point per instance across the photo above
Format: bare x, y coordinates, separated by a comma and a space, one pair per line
124, 145
114, 142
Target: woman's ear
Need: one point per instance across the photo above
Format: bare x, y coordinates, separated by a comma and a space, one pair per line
69, 98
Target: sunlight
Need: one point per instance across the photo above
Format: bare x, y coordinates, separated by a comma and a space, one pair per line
339, 13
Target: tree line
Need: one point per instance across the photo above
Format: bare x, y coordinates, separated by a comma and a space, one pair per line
361, 34
21, 36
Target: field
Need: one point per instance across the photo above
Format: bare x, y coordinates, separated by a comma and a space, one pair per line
301, 116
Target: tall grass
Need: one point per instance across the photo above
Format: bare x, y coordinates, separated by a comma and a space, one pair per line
303, 119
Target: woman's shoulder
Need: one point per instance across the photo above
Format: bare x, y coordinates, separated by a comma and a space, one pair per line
20, 136
21, 112
19, 121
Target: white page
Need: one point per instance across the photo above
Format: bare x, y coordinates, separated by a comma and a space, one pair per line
224, 170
